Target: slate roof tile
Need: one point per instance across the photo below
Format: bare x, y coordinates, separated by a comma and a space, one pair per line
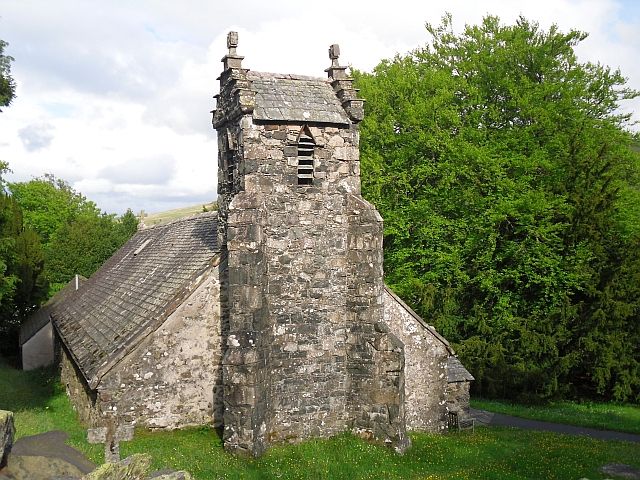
295, 98
135, 291
456, 371
42, 316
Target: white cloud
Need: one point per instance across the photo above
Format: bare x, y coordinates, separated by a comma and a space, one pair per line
114, 97
36, 136
157, 170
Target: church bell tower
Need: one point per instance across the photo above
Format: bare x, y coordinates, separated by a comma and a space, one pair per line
306, 351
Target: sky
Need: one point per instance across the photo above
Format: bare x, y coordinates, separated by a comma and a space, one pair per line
114, 96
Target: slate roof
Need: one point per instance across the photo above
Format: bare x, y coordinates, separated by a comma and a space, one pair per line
135, 291
295, 98
456, 371
42, 316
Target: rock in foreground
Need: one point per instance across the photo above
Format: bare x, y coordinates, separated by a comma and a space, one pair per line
7, 431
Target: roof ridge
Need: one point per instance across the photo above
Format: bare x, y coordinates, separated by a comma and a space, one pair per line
193, 216
282, 76
126, 294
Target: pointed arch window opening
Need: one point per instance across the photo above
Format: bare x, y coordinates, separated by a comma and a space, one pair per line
306, 148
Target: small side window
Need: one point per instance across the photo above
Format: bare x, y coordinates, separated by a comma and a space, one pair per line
306, 146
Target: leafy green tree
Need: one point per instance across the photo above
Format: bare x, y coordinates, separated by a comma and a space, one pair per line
497, 161
127, 225
84, 244
7, 85
77, 237
49, 203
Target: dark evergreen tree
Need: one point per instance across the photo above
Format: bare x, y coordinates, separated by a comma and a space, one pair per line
77, 237
22, 283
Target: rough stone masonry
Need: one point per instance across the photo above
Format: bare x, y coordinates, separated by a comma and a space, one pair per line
308, 353
270, 318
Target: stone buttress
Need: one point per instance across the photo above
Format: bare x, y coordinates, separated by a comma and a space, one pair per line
306, 351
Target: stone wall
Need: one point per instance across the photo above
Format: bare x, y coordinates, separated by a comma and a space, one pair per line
171, 379
304, 295
375, 357
426, 355
7, 432
84, 400
458, 397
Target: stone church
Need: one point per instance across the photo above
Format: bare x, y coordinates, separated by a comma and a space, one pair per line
271, 317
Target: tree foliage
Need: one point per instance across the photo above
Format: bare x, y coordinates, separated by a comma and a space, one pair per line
77, 236
49, 203
7, 84
501, 167
22, 282
83, 245
48, 233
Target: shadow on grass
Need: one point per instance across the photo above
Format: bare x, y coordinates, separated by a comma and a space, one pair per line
20, 390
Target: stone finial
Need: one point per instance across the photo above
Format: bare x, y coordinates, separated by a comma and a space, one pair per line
335, 71
334, 54
232, 42
232, 60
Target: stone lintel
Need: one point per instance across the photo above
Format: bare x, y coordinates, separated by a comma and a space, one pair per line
122, 433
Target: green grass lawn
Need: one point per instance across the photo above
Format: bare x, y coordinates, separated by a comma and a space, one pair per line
604, 416
40, 404
489, 453
171, 215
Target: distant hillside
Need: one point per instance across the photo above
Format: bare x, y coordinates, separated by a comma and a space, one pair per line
150, 219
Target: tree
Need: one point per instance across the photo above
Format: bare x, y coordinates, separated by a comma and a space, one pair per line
7, 85
48, 233
77, 237
84, 244
127, 225
49, 203
22, 282
497, 161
